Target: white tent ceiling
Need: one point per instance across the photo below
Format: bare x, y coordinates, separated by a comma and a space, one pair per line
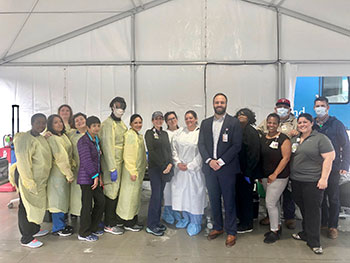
52, 52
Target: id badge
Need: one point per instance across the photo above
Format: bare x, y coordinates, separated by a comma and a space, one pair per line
225, 137
294, 147
273, 145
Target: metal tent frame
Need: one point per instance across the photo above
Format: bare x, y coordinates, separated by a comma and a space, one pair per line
275, 5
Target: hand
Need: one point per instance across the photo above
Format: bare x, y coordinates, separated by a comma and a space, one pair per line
343, 172
114, 175
70, 180
293, 133
271, 178
182, 166
133, 178
101, 181
322, 184
47, 134
214, 165
168, 168
93, 187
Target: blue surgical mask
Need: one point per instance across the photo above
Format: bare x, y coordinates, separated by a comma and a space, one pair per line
320, 111
282, 112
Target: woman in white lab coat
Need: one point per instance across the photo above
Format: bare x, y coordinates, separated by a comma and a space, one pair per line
169, 215
188, 183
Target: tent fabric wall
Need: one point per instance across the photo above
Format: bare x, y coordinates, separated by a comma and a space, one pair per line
109, 43
44, 89
184, 52
245, 86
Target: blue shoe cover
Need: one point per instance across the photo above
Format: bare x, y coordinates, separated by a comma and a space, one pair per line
177, 215
193, 229
182, 223
167, 215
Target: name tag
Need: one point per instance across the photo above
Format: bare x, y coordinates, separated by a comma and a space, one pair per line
273, 145
225, 137
294, 147
155, 135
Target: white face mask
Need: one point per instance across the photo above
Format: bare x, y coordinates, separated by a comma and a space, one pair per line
320, 111
118, 112
282, 112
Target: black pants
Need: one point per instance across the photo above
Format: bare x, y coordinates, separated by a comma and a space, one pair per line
288, 204
128, 223
27, 229
110, 212
331, 202
309, 199
155, 203
244, 201
90, 216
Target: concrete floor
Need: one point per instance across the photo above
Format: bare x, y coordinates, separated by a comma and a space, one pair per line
174, 246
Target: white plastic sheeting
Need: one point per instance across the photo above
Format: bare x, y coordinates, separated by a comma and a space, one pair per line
171, 32
240, 31
304, 41
109, 43
44, 89
245, 86
179, 31
171, 88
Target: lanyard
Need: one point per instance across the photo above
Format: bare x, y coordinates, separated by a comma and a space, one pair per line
96, 142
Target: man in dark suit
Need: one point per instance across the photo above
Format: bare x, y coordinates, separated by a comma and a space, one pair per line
219, 143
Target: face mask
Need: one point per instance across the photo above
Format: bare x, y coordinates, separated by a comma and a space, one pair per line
282, 112
118, 112
320, 111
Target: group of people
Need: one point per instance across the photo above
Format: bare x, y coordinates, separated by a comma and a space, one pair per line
95, 170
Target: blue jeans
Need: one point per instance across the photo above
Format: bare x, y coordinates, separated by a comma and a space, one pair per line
58, 222
155, 203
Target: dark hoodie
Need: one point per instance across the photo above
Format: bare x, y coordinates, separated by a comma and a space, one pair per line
336, 132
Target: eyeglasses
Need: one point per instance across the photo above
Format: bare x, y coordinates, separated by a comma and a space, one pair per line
172, 119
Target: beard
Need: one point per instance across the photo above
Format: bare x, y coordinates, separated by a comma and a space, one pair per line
220, 110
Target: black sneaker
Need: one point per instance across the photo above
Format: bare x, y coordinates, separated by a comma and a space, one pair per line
272, 237
279, 232
241, 229
134, 228
162, 227
67, 231
154, 231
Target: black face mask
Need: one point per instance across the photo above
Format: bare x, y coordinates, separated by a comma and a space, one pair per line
115, 118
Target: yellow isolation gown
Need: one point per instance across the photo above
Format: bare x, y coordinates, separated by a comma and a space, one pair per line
58, 188
112, 142
34, 160
134, 164
75, 190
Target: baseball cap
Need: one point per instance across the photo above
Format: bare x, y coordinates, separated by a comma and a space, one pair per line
283, 101
157, 114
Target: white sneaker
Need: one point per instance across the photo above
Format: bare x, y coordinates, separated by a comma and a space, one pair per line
115, 230
41, 233
33, 244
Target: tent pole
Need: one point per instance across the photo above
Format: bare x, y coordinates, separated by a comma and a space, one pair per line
280, 86
133, 67
300, 16
81, 31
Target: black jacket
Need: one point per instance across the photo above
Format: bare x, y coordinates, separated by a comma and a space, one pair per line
249, 155
159, 150
227, 151
336, 132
